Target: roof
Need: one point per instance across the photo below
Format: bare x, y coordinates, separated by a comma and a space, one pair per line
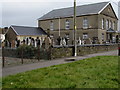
23, 30
110, 30
80, 10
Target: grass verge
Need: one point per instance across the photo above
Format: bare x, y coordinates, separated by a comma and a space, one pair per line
96, 72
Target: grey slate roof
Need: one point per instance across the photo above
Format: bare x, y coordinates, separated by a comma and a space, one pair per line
23, 30
110, 30
80, 10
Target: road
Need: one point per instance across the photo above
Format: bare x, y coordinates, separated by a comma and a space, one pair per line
27, 67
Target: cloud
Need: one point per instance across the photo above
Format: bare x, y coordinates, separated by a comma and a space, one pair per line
26, 12
36, 1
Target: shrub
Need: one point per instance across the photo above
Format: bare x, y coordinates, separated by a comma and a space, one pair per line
28, 51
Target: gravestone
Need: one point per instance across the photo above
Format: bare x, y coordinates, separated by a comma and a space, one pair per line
47, 42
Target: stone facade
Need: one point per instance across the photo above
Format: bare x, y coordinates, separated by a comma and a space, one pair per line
18, 35
11, 35
96, 28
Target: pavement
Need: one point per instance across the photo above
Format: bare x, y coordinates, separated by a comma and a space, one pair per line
27, 67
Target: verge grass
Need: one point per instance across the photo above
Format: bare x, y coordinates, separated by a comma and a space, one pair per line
96, 72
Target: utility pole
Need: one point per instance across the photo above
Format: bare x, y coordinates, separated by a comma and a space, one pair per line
59, 26
75, 44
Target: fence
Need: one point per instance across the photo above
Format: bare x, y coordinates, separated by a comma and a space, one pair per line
24, 55
29, 54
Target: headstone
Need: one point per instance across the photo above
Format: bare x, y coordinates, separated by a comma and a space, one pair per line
27, 41
59, 39
64, 42
79, 41
23, 41
32, 42
47, 42
35, 43
83, 42
18, 43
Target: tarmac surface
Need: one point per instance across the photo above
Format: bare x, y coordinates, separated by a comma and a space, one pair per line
27, 67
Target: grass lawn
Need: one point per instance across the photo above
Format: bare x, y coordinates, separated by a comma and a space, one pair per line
96, 72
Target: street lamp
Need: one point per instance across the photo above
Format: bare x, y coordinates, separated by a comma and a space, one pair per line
75, 45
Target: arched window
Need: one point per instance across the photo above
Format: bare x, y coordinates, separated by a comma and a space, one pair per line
67, 24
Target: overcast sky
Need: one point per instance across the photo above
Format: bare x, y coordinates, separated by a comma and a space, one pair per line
26, 12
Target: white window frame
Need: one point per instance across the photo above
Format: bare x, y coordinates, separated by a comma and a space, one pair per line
113, 25
107, 24
110, 24
51, 25
67, 24
103, 23
85, 23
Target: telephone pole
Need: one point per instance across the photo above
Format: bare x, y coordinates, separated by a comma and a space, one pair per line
75, 44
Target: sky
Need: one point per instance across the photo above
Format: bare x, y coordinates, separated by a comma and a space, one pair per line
26, 12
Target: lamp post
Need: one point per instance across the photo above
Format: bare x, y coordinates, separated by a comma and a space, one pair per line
75, 44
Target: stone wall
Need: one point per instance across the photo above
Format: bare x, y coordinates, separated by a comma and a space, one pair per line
8, 52
60, 52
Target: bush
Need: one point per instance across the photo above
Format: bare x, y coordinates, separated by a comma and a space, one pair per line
28, 51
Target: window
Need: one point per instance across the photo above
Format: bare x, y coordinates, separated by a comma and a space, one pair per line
102, 36
103, 24
85, 23
110, 25
51, 35
85, 35
67, 24
107, 24
51, 25
114, 25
